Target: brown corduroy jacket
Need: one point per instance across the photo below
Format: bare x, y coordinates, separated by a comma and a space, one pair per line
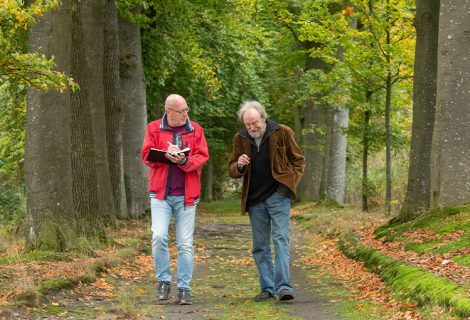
286, 159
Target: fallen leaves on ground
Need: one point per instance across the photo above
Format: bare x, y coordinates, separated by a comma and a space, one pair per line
440, 264
366, 286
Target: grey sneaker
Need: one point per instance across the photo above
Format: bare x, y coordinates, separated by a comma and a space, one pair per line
184, 297
163, 291
263, 295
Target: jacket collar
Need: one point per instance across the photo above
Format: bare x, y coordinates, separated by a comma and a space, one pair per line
164, 124
271, 126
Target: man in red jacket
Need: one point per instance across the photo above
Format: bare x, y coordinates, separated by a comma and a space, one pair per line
174, 190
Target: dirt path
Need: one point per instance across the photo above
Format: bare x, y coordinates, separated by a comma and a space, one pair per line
306, 305
224, 282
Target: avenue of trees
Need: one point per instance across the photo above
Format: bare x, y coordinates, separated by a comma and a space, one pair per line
359, 81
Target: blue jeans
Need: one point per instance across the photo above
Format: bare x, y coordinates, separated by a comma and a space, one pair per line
184, 216
271, 218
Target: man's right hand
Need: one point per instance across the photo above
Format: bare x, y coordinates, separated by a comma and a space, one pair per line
243, 161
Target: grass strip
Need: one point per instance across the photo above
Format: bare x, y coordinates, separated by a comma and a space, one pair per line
407, 280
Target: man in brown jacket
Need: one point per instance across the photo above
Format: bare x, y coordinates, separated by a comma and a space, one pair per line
271, 163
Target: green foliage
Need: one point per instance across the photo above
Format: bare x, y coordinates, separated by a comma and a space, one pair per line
12, 122
211, 52
16, 64
376, 176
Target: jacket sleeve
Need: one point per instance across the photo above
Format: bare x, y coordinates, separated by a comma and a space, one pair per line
237, 151
295, 155
199, 157
149, 142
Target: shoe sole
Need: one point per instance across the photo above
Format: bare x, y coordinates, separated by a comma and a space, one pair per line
184, 303
286, 297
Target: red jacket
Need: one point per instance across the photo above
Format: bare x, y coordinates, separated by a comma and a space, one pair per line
157, 136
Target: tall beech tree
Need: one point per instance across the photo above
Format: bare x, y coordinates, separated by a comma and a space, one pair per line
134, 108
74, 172
450, 152
48, 172
324, 122
113, 107
418, 194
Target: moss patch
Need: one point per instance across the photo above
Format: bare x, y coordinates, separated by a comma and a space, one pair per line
409, 281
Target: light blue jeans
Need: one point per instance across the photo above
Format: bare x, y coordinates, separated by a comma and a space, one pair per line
184, 217
271, 218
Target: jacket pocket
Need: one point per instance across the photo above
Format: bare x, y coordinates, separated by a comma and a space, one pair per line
281, 157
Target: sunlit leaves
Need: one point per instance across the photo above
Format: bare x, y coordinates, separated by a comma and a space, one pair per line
16, 64
12, 118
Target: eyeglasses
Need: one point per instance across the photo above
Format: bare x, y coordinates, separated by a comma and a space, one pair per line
180, 112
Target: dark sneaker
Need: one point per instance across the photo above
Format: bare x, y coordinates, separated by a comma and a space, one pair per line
285, 295
263, 295
163, 291
184, 297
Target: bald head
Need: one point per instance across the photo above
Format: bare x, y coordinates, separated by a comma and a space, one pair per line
174, 100
176, 110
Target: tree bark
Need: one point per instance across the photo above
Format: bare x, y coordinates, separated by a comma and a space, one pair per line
48, 172
335, 162
388, 143
313, 142
450, 169
338, 124
84, 181
134, 105
94, 12
209, 176
365, 157
418, 193
113, 109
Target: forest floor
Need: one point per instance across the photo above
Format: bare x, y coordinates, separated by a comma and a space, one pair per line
118, 282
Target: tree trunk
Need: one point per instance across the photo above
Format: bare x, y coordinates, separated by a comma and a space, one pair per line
418, 193
209, 176
297, 124
450, 170
388, 144
313, 142
84, 181
48, 173
339, 119
93, 13
134, 107
335, 162
314, 147
113, 110
365, 156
